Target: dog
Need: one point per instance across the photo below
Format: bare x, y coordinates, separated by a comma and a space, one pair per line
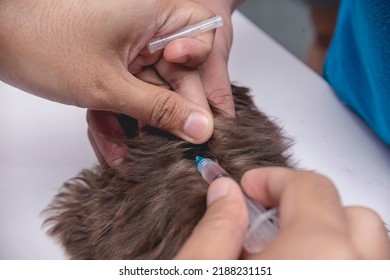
148, 206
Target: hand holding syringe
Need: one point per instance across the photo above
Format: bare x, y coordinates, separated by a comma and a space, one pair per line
263, 224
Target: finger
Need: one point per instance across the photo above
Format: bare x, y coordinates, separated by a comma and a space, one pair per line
368, 233
190, 52
220, 233
105, 134
159, 107
185, 81
216, 83
214, 73
142, 61
302, 196
95, 148
150, 76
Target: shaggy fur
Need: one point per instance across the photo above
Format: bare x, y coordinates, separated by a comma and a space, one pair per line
147, 207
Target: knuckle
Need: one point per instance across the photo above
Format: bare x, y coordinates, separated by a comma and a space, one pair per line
341, 248
220, 96
324, 182
311, 183
317, 180
369, 217
181, 78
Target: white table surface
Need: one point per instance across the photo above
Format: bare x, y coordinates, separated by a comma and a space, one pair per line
42, 143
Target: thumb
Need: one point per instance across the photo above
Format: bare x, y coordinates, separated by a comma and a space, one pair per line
220, 233
163, 109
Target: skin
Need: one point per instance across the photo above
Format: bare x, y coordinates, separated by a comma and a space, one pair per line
92, 54
313, 223
104, 129
214, 71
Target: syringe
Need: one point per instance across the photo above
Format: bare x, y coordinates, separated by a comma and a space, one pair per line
185, 32
263, 224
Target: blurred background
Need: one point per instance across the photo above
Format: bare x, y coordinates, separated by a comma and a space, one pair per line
303, 27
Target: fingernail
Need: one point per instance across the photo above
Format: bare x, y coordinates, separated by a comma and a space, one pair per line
218, 189
196, 125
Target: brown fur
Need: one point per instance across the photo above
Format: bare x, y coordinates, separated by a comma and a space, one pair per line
147, 207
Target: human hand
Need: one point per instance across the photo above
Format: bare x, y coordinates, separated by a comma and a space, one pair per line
104, 130
313, 223
214, 70
92, 54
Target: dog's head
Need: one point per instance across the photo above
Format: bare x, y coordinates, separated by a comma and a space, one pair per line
148, 206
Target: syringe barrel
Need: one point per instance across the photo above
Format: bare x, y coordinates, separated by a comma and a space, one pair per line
263, 224
210, 170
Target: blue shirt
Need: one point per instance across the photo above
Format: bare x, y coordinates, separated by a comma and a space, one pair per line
358, 61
